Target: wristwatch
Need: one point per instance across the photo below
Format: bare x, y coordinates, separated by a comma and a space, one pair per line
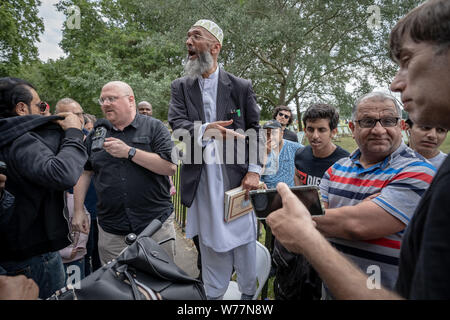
131, 153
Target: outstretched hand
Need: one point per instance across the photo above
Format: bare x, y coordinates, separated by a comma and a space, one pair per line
215, 129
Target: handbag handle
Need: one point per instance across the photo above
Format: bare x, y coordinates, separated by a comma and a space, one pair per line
154, 226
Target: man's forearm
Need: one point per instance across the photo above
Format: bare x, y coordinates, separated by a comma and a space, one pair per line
154, 163
343, 278
80, 190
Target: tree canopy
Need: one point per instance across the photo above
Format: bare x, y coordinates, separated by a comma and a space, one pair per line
295, 52
20, 27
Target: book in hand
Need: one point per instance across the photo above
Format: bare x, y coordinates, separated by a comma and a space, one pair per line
235, 204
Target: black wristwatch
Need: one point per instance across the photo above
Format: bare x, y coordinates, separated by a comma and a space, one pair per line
131, 153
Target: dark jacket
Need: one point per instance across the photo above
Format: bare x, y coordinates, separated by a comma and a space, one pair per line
290, 135
42, 161
186, 107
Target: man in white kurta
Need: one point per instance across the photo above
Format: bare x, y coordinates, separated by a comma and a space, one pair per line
222, 245
211, 96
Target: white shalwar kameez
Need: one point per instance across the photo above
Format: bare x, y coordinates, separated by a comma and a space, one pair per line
222, 245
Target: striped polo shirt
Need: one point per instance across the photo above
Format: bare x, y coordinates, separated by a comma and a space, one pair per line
401, 178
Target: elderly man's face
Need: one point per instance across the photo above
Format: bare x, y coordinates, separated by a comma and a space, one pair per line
379, 141
198, 41
75, 109
118, 105
424, 83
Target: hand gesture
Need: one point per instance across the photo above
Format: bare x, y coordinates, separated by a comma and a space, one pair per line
217, 128
116, 147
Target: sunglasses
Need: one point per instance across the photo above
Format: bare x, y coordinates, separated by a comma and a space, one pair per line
286, 116
42, 106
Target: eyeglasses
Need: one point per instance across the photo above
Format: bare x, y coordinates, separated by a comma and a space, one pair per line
286, 116
385, 122
111, 99
42, 106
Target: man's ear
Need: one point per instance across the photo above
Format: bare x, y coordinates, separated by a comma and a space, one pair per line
334, 132
215, 49
351, 125
22, 109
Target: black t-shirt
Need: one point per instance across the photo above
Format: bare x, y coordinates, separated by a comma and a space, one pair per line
312, 169
425, 254
130, 196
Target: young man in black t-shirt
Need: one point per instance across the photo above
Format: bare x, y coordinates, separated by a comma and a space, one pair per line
295, 278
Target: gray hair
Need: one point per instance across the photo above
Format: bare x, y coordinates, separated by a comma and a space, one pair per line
378, 96
89, 118
64, 102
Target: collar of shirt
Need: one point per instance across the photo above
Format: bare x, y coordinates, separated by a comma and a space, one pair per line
354, 157
133, 123
210, 81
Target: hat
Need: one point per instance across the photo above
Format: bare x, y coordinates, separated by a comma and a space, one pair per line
272, 124
212, 27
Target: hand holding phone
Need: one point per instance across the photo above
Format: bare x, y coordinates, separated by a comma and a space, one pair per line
266, 201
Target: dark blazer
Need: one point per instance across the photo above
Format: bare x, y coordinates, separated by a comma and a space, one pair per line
186, 106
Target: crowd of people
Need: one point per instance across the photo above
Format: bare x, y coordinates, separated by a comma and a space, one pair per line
67, 204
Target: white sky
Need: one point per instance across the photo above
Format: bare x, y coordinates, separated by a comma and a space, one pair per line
53, 21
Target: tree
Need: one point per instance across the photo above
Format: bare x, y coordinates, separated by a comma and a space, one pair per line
19, 31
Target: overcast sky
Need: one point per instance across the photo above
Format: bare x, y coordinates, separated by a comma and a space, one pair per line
53, 21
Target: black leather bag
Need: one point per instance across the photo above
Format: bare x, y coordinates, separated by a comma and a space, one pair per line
144, 271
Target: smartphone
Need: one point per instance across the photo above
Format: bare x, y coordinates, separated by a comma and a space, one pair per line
2, 167
266, 201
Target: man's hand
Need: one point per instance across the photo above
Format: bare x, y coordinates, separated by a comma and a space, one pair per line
116, 147
70, 121
217, 128
250, 182
80, 221
18, 288
292, 224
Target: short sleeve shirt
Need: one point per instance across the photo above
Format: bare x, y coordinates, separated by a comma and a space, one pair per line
401, 179
129, 195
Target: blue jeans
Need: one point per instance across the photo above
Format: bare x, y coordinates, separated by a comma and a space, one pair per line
46, 270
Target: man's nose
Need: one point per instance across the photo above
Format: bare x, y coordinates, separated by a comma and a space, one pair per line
399, 82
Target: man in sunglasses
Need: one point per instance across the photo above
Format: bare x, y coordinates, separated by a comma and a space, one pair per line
42, 161
386, 172
284, 116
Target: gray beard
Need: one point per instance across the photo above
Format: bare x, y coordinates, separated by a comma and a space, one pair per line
195, 68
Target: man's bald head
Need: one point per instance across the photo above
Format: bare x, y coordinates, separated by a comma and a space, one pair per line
145, 108
120, 87
70, 105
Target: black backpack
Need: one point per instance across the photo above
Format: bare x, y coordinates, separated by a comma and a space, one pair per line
144, 271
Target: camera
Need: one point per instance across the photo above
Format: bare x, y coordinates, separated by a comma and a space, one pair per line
266, 201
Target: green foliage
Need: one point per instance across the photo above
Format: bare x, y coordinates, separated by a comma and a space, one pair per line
295, 52
19, 30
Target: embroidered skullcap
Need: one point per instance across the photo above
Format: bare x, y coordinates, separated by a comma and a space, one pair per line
212, 27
